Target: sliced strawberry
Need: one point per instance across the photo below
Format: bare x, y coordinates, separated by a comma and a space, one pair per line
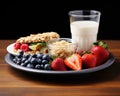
58, 64
74, 62
24, 47
17, 46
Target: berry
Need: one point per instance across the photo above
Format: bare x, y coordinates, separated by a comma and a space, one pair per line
17, 46
34, 61
37, 66
58, 64
42, 66
89, 60
47, 67
27, 61
44, 61
39, 56
39, 61
26, 56
74, 62
24, 47
45, 57
23, 60
30, 66
18, 61
101, 54
23, 64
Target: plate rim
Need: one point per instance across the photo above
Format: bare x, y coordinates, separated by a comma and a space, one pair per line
10, 50
108, 63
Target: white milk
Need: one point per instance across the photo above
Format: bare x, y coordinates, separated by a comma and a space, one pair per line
84, 33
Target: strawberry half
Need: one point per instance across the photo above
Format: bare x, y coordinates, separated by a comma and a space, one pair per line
58, 64
74, 62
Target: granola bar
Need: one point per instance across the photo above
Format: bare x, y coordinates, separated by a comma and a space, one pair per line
40, 37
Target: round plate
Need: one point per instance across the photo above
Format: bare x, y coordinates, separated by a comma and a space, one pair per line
110, 61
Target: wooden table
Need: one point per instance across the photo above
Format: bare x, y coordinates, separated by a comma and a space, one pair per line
14, 82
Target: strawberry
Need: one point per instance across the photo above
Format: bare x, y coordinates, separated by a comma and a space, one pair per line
58, 64
17, 46
24, 47
101, 51
74, 62
89, 60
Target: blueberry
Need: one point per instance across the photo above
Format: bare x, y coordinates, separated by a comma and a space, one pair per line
45, 57
23, 60
27, 61
18, 61
19, 56
39, 61
44, 61
47, 67
39, 55
33, 55
26, 56
33, 61
37, 66
30, 65
14, 60
23, 64
30, 57
42, 66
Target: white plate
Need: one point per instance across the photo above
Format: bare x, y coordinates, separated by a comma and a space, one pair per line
10, 49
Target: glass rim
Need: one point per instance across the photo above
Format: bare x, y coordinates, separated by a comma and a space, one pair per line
73, 13
71, 43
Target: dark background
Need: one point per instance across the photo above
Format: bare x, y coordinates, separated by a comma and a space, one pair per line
21, 18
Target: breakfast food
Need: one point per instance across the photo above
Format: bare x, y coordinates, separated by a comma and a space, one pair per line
75, 61
61, 48
35, 43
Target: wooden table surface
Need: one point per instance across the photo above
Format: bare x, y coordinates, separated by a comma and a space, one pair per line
15, 82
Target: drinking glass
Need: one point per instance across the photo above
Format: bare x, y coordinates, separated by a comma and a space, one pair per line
84, 26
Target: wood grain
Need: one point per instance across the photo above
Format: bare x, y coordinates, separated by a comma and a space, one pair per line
15, 82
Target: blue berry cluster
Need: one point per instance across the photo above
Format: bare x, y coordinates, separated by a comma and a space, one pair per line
34, 61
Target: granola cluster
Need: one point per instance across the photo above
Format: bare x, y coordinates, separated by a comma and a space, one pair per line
61, 48
40, 37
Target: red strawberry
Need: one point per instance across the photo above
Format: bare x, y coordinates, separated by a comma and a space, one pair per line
58, 64
89, 60
24, 47
101, 52
74, 62
17, 46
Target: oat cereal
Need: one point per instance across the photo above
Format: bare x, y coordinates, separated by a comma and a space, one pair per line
61, 48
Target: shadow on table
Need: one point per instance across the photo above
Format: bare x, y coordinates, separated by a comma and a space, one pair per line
107, 74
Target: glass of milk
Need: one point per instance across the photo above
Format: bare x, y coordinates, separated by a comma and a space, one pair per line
84, 26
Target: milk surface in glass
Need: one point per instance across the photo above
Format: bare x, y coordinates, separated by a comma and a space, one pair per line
84, 33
